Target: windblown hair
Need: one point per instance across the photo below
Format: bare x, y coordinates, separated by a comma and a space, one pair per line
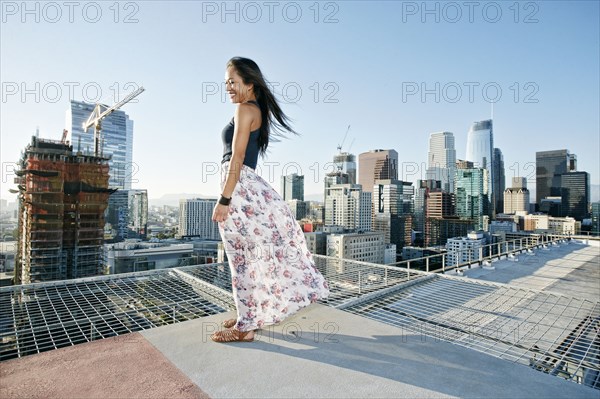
272, 115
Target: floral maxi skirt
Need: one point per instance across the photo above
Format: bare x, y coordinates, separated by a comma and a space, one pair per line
273, 273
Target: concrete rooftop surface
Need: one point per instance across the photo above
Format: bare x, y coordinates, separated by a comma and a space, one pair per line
320, 352
423, 336
572, 269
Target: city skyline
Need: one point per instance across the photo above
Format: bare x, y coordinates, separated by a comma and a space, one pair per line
403, 98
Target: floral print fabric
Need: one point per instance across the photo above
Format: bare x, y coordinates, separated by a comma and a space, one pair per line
272, 271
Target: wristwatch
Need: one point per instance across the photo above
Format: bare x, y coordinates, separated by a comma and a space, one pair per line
224, 200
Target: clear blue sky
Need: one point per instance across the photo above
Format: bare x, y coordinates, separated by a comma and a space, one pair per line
366, 59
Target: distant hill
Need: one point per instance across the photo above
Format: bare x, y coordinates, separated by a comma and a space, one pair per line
173, 199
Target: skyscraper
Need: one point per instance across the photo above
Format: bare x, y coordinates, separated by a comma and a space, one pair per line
471, 192
440, 204
575, 193
195, 218
346, 163
349, 206
441, 159
333, 178
441, 222
292, 187
559, 183
117, 139
499, 181
127, 215
392, 213
422, 190
480, 151
516, 197
138, 213
596, 218
117, 216
62, 199
376, 164
549, 165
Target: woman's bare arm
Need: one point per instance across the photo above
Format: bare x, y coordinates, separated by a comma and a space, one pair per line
242, 119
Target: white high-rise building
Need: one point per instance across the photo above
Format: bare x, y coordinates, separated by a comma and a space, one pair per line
117, 141
480, 151
516, 198
441, 159
349, 206
195, 218
464, 249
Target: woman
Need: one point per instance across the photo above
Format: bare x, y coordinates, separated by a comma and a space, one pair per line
272, 272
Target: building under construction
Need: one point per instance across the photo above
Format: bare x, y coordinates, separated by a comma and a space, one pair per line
62, 199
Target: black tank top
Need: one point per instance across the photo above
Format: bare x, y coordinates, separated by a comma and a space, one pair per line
252, 149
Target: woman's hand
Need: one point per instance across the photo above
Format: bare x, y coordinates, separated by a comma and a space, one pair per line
220, 213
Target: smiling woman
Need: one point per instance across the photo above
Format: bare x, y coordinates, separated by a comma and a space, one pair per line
273, 273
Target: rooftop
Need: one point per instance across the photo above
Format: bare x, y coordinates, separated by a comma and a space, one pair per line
388, 330
567, 269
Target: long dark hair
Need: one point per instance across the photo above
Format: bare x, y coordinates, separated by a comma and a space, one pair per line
272, 115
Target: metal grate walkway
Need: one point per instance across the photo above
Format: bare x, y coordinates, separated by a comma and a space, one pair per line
45, 316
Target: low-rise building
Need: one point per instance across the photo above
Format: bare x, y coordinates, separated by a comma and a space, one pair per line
465, 249
135, 256
367, 246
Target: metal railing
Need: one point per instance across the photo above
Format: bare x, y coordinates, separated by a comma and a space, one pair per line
439, 263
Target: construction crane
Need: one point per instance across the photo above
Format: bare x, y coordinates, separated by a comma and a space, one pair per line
350, 146
98, 114
339, 147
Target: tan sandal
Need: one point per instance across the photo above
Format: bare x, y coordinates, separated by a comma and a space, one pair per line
231, 335
229, 323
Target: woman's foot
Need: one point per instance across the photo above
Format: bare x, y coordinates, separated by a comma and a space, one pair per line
233, 335
229, 323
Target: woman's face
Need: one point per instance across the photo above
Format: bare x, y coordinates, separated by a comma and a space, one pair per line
237, 90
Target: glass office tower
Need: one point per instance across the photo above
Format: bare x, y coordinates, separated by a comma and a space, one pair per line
549, 165
575, 193
117, 139
499, 181
471, 191
480, 151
